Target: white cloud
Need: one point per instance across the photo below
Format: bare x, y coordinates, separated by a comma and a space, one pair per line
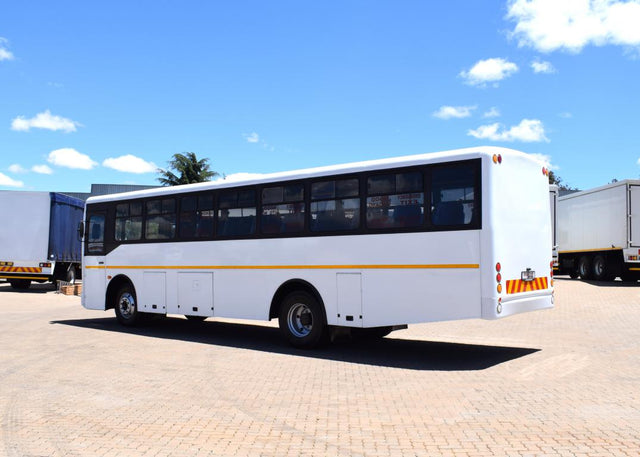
565, 115
44, 120
5, 54
529, 130
542, 67
493, 112
42, 169
252, 138
130, 164
550, 25
489, 71
16, 168
70, 158
9, 182
458, 112
544, 159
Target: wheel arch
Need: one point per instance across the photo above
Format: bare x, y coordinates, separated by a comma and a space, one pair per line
114, 286
294, 285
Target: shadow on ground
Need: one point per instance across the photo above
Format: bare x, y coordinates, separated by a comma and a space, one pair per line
614, 283
387, 352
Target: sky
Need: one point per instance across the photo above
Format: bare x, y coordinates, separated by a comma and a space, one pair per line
107, 92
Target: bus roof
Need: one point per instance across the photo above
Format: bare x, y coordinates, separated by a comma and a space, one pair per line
355, 167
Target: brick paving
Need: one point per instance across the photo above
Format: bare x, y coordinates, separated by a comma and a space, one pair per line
561, 382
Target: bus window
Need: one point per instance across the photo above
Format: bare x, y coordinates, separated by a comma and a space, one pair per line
237, 213
282, 209
160, 222
453, 195
332, 210
95, 234
128, 221
395, 200
196, 216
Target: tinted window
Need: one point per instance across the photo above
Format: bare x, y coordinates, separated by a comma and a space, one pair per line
454, 196
282, 209
95, 234
196, 217
237, 213
330, 210
128, 221
395, 201
160, 223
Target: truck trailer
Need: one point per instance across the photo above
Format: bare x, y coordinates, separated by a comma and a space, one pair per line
39, 237
599, 232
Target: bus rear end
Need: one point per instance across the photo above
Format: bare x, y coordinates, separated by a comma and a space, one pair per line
516, 254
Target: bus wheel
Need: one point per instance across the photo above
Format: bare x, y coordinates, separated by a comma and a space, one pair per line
126, 308
301, 320
584, 267
601, 269
20, 284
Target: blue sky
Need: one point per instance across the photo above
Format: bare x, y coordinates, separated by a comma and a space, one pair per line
107, 92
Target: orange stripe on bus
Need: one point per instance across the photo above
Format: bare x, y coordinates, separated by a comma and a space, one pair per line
279, 267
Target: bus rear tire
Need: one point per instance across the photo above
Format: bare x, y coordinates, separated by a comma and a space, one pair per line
126, 307
302, 321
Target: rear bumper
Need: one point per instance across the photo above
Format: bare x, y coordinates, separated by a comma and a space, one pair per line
492, 308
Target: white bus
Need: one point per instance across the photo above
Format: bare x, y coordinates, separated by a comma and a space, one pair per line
371, 246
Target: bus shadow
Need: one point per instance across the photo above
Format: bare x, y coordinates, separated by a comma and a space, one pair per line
386, 352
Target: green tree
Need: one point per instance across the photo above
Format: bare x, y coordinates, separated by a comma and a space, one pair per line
188, 170
557, 180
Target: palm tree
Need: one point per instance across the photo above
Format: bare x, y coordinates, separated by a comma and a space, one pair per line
190, 170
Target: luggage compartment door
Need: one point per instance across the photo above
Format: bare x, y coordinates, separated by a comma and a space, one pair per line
634, 215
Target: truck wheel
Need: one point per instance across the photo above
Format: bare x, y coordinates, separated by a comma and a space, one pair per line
20, 284
126, 307
302, 320
601, 270
584, 267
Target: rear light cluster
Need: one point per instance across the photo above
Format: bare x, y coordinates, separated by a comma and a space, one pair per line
545, 171
497, 158
6, 264
499, 277
45, 265
551, 273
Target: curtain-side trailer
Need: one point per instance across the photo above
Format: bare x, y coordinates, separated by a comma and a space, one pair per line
38, 237
599, 232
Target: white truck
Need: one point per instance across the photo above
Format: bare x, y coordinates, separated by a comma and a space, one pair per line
599, 232
39, 237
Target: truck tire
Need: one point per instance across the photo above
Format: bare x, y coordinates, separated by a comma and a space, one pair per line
584, 267
302, 321
20, 284
601, 269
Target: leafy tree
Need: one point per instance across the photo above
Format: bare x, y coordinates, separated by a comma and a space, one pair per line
189, 170
557, 180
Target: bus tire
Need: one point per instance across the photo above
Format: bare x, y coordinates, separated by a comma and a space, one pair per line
126, 307
20, 284
301, 319
601, 269
584, 267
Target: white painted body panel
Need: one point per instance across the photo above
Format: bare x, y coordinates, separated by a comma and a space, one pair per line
403, 277
599, 219
24, 231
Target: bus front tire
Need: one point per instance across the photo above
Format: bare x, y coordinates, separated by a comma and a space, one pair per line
302, 321
126, 307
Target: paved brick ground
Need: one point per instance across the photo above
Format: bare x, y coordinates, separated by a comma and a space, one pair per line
560, 382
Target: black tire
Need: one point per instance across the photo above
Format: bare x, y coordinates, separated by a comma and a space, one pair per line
371, 333
302, 320
601, 270
20, 284
195, 318
126, 306
584, 267
573, 274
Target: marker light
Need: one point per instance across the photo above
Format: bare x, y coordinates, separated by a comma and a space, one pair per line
498, 267
498, 277
499, 288
499, 158
495, 158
